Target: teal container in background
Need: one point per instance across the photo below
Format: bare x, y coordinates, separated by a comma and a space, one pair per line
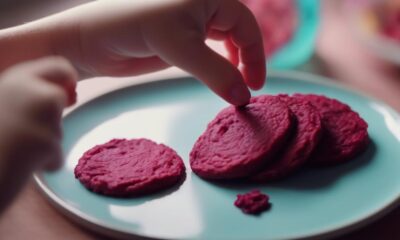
301, 47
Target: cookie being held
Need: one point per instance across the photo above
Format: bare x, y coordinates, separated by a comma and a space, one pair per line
240, 141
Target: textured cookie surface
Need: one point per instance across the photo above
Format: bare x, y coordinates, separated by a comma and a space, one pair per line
345, 132
305, 138
123, 167
241, 140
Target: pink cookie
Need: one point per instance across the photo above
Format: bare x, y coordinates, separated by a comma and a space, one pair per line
345, 132
306, 137
123, 167
239, 141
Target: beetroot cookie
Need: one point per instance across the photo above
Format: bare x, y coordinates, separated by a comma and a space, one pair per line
239, 141
306, 137
123, 167
345, 132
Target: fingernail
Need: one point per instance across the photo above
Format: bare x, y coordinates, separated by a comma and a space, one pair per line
240, 95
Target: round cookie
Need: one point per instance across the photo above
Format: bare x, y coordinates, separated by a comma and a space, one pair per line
239, 141
123, 167
345, 132
304, 140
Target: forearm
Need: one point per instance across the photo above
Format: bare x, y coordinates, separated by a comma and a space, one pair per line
44, 37
22, 43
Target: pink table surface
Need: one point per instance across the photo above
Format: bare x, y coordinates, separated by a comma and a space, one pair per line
338, 55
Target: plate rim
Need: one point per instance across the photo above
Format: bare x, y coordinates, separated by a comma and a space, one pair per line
101, 227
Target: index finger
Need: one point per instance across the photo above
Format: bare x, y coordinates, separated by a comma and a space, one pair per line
236, 19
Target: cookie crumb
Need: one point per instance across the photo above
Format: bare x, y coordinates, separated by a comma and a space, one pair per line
253, 202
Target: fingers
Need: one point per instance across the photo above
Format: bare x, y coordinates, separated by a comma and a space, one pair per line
37, 94
47, 102
135, 66
189, 52
60, 72
44, 149
54, 159
186, 48
56, 70
233, 51
44, 138
239, 23
219, 75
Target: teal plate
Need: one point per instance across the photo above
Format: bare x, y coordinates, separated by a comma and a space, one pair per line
315, 203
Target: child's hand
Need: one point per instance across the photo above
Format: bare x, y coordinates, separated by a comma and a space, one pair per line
32, 97
124, 37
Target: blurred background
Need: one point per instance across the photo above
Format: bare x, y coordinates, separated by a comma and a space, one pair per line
355, 42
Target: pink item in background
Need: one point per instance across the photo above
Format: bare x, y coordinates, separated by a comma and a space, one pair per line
277, 19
